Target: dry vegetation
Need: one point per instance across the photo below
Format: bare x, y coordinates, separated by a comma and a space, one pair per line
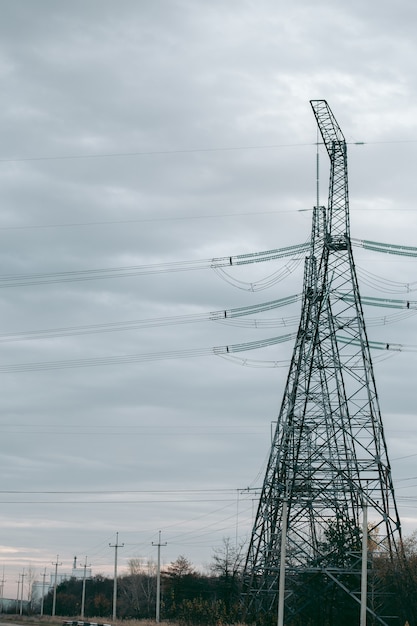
47, 620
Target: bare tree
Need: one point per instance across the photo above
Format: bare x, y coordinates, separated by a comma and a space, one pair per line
228, 559
139, 585
30, 579
227, 565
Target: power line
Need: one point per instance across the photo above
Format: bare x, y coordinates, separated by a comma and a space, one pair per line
139, 153
145, 357
21, 280
64, 432
225, 351
118, 491
181, 218
219, 264
154, 152
150, 219
223, 315
94, 502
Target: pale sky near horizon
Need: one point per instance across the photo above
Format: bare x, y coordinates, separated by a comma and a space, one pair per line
167, 134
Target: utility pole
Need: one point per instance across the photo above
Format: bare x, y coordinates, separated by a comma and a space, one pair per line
83, 591
364, 573
281, 588
21, 593
2, 581
55, 584
18, 595
115, 546
158, 577
43, 589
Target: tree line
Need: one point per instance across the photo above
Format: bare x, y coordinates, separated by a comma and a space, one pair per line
191, 597
187, 595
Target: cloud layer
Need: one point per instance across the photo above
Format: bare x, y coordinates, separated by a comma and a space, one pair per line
156, 133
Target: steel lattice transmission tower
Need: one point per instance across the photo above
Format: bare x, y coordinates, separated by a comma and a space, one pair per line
329, 457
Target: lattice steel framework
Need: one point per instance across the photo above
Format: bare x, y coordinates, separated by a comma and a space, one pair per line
329, 454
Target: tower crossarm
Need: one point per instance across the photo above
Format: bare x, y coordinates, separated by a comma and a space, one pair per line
328, 126
334, 141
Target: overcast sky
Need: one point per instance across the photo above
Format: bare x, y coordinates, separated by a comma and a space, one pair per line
156, 133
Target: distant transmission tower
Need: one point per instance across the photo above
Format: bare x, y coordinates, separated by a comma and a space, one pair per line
328, 461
